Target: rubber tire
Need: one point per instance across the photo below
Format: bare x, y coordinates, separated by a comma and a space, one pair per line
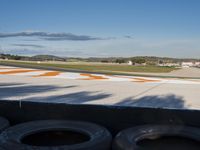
100, 138
127, 139
4, 123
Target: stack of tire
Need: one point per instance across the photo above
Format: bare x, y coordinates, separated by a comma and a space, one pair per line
158, 137
78, 135
4, 123
56, 135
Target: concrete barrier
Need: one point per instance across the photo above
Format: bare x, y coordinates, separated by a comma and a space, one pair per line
114, 118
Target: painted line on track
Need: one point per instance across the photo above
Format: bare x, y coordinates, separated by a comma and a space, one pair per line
49, 74
86, 76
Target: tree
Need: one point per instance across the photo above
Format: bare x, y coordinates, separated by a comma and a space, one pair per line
120, 61
138, 60
161, 62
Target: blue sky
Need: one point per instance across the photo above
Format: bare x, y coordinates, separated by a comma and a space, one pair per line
101, 28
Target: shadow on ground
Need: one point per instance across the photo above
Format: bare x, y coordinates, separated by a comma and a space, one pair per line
72, 98
20, 90
3, 85
158, 101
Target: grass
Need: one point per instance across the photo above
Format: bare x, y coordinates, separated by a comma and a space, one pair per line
98, 67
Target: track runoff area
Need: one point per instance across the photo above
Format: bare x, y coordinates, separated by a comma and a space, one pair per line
26, 84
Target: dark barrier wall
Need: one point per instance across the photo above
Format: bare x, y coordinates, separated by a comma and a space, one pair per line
115, 118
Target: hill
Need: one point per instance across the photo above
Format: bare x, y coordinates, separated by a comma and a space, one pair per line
148, 59
47, 58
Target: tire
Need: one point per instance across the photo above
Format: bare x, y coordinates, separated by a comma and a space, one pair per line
127, 139
4, 123
1, 148
99, 137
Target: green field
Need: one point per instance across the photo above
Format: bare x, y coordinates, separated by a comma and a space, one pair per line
97, 67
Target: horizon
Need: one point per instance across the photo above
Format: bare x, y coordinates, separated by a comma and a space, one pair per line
101, 29
101, 57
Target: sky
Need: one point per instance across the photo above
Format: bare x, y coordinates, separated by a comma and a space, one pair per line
101, 28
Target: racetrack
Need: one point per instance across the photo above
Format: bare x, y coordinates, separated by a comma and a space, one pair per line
83, 88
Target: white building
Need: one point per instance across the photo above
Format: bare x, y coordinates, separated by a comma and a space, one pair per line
169, 64
187, 64
130, 62
197, 64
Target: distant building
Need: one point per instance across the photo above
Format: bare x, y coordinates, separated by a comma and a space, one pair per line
169, 64
187, 64
197, 64
130, 62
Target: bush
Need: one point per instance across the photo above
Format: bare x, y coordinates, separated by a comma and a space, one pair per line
120, 61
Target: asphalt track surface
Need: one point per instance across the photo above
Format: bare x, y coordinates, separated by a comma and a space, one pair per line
26, 84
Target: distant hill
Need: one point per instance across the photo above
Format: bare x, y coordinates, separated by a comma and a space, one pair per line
47, 58
148, 59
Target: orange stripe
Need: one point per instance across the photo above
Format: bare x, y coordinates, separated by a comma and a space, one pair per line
17, 71
144, 80
137, 79
48, 74
92, 77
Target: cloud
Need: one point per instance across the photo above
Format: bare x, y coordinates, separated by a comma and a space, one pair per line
128, 37
24, 51
59, 52
29, 45
51, 36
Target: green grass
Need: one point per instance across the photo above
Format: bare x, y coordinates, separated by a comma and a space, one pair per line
100, 67
152, 69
